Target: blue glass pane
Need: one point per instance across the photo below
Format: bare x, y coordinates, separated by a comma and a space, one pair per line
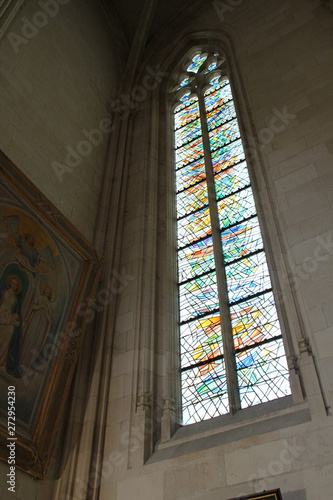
204, 392
236, 207
190, 174
198, 297
192, 199
196, 259
201, 340
263, 374
197, 62
242, 239
194, 227
247, 277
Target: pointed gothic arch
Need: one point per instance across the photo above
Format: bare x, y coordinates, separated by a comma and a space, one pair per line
221, 43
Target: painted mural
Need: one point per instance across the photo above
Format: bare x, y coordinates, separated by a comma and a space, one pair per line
35, 286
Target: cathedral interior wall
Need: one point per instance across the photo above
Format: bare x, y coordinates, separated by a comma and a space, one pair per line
59, 84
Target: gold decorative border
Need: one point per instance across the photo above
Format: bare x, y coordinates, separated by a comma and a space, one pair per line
268, 495
33, 455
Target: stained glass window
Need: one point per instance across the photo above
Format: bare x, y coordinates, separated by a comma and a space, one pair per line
232, 352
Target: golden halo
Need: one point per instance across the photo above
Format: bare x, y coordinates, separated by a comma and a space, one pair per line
9, 279
47, 285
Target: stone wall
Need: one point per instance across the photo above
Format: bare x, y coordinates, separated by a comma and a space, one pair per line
122, 414
284, 54
58, 72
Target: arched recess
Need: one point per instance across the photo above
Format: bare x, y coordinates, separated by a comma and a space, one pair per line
156, 402
221, 42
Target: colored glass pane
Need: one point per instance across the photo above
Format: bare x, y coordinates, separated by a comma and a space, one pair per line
231, 180
190, 174
196, 259
241, 239
198, 297
227, 156
204, 393
236, 207
258, 347
184, 82
192, 199
194, 227
187, 133
220, 96
254, 320
221, 136
224, 113
189, 152
186, 113
212, 66
262, 374
196, 63
201, 340
247, 277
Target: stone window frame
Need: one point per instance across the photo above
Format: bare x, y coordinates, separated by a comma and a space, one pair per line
202, 82
156, 382
267, 214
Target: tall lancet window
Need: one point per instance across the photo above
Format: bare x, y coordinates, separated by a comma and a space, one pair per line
232, 352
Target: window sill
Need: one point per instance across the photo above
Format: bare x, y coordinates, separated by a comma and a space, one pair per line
250, 422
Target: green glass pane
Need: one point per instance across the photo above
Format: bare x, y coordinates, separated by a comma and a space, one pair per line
190, 174
201, 340
194, 227
198, 297
196, 259
192, 199
231, 180
247, 277
236, 207
263, 374
224, 134
197, 62
241, 239
204, 393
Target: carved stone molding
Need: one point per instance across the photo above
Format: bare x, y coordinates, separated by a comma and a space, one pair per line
46, 206
304, 346
144, 400
293, 363
169, 406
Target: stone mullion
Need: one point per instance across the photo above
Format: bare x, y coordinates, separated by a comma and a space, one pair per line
168, 303
228, 344
142, 419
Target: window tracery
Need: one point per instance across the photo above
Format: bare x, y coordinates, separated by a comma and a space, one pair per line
232, 352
